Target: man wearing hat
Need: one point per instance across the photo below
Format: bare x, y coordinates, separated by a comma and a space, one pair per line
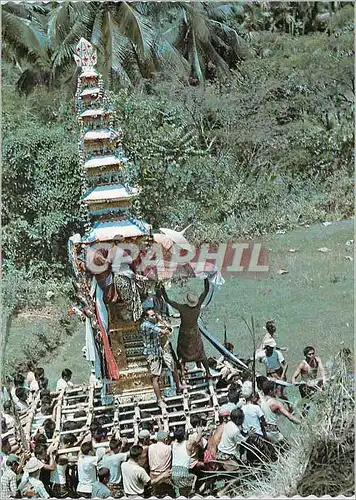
160, 460
31, 483
144, 440
190, 344
8, 478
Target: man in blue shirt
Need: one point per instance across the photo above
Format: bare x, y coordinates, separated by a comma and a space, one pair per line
100, 488
113, 461
158, 352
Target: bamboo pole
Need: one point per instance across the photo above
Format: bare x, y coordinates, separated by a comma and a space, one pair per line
186, 409
116, 427
215, 401
58, 410
18, 425
90, 406
136, 420
141, 404
79, 407
30, 417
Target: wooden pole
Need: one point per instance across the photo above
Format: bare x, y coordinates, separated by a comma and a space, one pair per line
136, 420
186, 409
17, 421
90, 406
116, 429
59, 411
215, 401
76, 408
30, 417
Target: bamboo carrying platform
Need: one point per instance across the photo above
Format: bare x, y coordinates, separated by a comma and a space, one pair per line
125, 416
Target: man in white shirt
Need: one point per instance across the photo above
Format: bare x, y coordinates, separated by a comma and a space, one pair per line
274, 361
232, 404
19, 381
21, 394
159, 455
160, 461
232, 437
135, 478
9, 419
58, 477
87, 463
64, 382
254, 418
272, 409
99, 436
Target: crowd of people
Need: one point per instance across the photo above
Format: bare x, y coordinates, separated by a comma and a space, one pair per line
157, 462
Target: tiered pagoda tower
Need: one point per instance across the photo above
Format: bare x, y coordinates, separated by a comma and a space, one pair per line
113, 343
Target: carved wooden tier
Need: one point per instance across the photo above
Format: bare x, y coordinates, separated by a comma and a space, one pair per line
98, 165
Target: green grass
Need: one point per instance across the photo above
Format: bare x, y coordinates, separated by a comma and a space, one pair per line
311, 305
23, 337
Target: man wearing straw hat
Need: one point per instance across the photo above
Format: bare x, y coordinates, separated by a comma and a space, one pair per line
190, 344
33, 484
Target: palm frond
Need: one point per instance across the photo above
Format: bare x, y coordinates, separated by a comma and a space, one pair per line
165, 52
22, 33
136, 27
196, 63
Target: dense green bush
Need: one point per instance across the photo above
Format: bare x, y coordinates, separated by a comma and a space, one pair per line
41, 186
258, 152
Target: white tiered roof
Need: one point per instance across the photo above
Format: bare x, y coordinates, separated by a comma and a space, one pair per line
89, 72
98, 134
109, 193
93, 112
103, 161
107, 231
90, 91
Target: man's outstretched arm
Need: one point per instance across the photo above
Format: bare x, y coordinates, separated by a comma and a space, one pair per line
205, 292
170, 302
296, 374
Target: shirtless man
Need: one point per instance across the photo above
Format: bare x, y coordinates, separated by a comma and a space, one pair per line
308, 372
272, 409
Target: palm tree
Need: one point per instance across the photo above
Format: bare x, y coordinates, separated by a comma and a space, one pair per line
206, 39
39, 40
133, 40
23, 37
127, 43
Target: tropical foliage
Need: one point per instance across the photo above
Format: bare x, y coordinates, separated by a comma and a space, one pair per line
138, 40
266, 142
